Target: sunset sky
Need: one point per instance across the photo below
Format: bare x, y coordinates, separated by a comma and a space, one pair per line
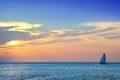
59, 30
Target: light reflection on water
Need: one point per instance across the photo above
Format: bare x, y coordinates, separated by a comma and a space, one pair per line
59, 71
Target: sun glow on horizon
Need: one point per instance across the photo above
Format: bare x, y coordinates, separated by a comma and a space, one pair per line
14, 43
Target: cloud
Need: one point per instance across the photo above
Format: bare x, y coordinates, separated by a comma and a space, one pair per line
99, 28
111, 35
102, 25
102, 32
18, 26
104, 29
6, 36
66, 32
13, 30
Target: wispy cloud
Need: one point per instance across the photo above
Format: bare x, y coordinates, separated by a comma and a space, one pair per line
104, 29
102, 32
19, 26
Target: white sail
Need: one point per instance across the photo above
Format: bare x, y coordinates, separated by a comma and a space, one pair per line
103, 59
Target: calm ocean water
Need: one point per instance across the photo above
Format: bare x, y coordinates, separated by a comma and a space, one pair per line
59, 71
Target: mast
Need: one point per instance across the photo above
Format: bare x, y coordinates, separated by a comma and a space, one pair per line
103, 59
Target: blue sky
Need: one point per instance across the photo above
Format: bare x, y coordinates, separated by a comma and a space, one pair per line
60, 13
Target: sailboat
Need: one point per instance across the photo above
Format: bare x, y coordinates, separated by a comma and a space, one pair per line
103, 59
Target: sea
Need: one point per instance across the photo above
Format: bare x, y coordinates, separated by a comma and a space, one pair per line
59, 71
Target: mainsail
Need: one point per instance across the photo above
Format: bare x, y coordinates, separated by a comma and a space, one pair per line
103, 59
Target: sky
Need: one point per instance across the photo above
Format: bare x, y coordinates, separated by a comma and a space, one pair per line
59, 30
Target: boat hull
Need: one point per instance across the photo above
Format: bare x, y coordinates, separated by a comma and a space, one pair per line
103, 63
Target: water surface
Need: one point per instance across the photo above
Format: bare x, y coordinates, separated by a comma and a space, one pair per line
59, 71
